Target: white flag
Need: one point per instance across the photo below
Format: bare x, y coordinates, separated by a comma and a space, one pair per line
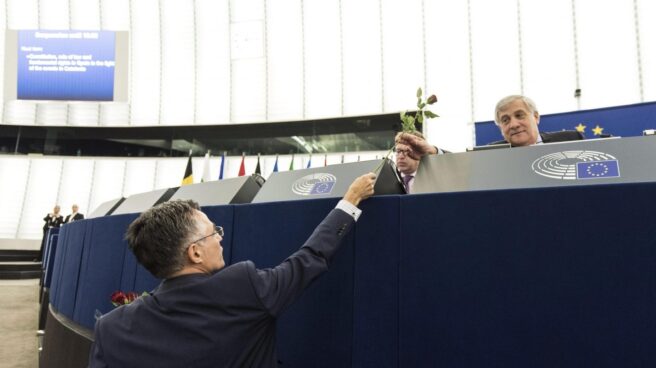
206, 169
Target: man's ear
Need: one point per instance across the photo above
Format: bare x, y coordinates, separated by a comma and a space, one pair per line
195, 253
537, 118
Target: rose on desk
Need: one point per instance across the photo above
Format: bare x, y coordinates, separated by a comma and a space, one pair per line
119, 298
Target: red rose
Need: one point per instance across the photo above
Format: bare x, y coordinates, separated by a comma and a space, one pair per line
118, 298
130, 297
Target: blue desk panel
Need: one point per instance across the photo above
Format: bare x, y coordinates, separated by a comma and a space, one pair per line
316, 327
529, 278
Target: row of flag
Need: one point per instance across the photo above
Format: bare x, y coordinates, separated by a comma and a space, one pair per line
189, 176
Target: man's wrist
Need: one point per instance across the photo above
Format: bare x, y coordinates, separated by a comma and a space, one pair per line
349, 208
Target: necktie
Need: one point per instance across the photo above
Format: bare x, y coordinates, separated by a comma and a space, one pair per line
406, 182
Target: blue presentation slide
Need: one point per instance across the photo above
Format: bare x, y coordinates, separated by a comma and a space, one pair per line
66, 65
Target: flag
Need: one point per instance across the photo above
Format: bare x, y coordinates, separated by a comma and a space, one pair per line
275, 166
206, 169
291, 165
222, 162
325, 160
597, 169
188, 175
242, 168
309, 162
257, 168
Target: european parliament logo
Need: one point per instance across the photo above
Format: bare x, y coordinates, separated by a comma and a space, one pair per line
314, 184
597, 169
574, 165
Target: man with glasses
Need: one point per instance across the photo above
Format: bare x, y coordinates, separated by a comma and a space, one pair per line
202, 314
406, 165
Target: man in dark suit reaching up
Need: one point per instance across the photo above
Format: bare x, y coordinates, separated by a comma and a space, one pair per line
202, 314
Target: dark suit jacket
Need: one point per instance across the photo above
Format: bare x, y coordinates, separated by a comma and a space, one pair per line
550, 137
52, 222
78, 216
227, 319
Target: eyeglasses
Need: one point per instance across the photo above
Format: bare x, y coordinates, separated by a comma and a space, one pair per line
217, 230
405, 152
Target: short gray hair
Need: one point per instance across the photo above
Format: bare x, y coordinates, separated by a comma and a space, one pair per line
158, 236
512, 98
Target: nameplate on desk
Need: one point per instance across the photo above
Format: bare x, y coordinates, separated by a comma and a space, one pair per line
585, 162
327, 182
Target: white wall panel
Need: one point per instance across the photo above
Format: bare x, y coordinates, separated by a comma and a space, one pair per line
107, 181
178, 62
20, 112
115, 15
548, 57
13, 185
139, 176
248, 78
22, 14
607, 54
284, 60
447, 74
248, 96
362, 57
403, 53
51, 113
212, 62
85, 14
114, 114
54, 14
495, 44
3, 20
83, 113
169, 172
245, 10
323, 74
41, 196
75, 184
646, 16
145, 65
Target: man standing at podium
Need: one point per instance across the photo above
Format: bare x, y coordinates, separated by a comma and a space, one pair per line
74, 216
517, 118
205, 315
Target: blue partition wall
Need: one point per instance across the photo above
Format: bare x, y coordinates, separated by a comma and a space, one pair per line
49, 256
529, 278
376, 284
102, 266
321, 320
66, 272
512, 278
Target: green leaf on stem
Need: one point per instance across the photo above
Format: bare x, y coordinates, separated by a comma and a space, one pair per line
430, 114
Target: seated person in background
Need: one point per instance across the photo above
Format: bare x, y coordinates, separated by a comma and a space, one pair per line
406, 165
74, 216
517, 118
205, 315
